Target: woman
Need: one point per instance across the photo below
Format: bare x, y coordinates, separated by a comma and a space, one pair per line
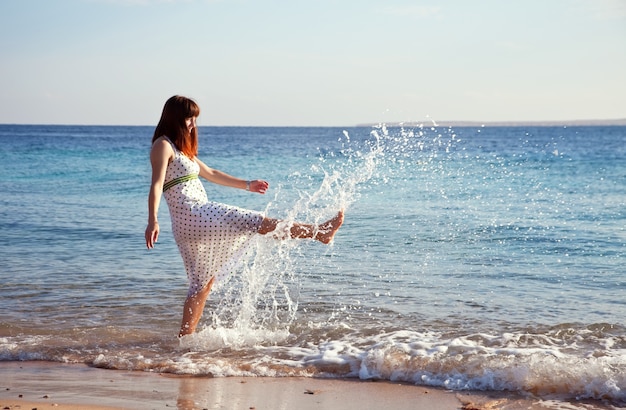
210, 236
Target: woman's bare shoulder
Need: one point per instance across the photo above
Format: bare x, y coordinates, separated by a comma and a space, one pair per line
162, 147
161, 140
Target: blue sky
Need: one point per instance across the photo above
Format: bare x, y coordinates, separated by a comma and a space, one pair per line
323, 62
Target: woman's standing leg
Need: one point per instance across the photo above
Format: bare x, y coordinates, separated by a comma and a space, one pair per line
192, 312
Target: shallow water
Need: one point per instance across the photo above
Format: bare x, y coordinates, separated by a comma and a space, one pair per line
471, 258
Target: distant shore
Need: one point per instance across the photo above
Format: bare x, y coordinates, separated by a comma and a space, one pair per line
571, 123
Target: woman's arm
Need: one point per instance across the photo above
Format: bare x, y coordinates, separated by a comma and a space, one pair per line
160, 156
221, 178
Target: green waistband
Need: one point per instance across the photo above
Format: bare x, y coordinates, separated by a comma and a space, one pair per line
178, 180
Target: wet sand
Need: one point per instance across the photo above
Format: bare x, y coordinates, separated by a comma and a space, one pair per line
44, 385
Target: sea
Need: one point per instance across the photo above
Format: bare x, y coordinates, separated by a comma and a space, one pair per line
479, 257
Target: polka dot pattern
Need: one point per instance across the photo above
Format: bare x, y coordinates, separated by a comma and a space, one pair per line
211, 237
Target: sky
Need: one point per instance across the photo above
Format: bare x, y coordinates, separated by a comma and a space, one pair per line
312, 63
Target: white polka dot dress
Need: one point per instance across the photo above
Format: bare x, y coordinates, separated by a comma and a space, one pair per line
211, 237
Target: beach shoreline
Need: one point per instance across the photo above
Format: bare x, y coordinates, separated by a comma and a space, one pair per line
46, 385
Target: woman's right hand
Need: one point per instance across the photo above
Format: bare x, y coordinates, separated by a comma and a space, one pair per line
259, 185
152, 234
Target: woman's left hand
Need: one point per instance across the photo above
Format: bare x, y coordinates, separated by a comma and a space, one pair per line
260, 186
152, 234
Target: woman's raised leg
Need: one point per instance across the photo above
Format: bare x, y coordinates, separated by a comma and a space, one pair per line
324, 232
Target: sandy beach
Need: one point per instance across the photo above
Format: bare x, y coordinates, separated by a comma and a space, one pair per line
43, 385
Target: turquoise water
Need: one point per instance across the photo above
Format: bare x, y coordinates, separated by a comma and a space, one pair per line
471, 258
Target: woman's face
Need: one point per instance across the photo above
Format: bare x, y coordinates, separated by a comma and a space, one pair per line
190, 123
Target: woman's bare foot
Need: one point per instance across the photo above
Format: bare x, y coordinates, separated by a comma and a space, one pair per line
326, 231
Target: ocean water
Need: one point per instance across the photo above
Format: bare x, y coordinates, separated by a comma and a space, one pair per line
489, 258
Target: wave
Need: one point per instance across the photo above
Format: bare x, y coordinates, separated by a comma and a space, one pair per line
566, 361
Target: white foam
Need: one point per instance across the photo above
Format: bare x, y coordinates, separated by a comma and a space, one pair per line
233, 338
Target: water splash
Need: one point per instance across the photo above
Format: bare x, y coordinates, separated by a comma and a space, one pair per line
260, 302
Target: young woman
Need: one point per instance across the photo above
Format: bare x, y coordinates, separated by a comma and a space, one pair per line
210, 236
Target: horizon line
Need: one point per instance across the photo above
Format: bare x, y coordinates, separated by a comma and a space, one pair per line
426, 122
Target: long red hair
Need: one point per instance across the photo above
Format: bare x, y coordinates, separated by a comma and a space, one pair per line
172, 124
